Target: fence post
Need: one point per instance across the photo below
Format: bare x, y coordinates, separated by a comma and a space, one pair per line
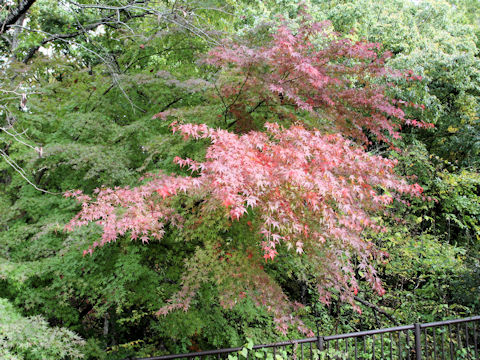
320, 342
418, 343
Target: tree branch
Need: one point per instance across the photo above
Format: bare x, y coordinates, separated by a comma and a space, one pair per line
170, 104
21, 172
15, 14
31, 52
375, 307
105, 7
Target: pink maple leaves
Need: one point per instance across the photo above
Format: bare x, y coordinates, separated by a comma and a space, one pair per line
315, 70
315, 193
142, 211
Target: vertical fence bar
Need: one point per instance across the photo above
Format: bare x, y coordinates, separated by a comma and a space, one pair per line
407, 344
434, 343
459, 339
475, 339
391, 347
450, 341
381, 344
443, 346
356, 351
320, 344
418, 344
399, 345
373, 347
425, 333
466, 335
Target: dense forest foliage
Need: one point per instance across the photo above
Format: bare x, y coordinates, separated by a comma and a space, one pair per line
184, 175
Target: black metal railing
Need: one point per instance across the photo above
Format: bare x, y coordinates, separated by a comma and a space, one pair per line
444, 340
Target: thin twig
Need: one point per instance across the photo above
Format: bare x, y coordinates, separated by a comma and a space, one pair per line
15, 136
19, 170
107, 63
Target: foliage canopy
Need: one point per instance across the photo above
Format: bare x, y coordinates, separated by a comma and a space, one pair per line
288, 120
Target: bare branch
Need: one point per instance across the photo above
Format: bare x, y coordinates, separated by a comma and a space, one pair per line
180, 15
22, 173
17, 138
104, 7
54, 37
107, 63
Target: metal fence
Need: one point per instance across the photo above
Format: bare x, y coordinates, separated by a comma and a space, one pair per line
443, 340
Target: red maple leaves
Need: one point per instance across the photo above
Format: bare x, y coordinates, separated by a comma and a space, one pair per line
315, 192
314, 69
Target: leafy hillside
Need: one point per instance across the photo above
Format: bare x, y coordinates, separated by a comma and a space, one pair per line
254, 169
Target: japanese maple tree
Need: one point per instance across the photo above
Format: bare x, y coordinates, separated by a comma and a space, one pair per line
306, 179
340, 85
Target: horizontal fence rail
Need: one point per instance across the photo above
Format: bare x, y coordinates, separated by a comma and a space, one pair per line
444, 340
